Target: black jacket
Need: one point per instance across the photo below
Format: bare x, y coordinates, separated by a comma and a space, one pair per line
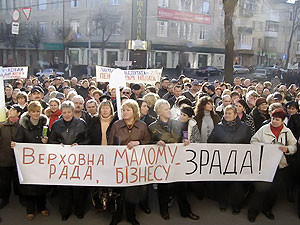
69, 133
148, 119
258, 118
294, 125
95, 131
29, 133
235, 132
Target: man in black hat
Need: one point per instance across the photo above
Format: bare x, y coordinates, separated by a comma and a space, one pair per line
38, 95
136, 92
164, 86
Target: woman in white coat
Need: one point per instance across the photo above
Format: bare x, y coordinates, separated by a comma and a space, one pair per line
265, 193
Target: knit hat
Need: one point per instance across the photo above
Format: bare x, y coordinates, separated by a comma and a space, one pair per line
211, 87
260, 101
188, 111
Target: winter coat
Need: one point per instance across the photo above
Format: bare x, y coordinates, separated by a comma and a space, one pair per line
8, 132
235, 132
247, 119
294, 125
120, 134
95, 131
286, 137
29, 133
258, 118
171, 132
148, 119
69, 133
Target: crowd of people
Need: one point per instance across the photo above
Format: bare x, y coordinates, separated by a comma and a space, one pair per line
183, 110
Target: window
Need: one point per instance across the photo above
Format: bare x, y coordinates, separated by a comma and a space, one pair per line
93, 3
75, 3
204, 7
272, 26
271, 42
178, 30
160, 59
112, 57
74, 57
1, 4
27, 3
94, 57
190, 32
259, 43
117, 26
8, 5
42, 28
185, 5
298, 46
55, 27
162, 28
74, 24
115, 2
42, 4
56, 4
202, 33
163, 3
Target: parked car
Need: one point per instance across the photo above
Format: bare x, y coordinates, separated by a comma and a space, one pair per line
239, 69
208, 71
260, 74
49, 72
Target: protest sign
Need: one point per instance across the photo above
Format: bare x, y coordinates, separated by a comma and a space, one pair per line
10, 73
88, 165
149, 76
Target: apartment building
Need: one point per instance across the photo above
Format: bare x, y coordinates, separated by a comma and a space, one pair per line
149, 33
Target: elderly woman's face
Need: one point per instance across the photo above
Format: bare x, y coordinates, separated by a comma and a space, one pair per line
165, 111
127, 113
276, 121
67, 114
229, 115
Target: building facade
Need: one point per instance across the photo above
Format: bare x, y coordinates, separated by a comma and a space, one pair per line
149, 34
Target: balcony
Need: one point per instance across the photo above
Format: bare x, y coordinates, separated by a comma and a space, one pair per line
271, 34
241, 46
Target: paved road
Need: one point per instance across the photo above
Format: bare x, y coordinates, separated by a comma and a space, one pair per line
285, 214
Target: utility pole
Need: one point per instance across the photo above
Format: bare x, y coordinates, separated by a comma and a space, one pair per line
89, 48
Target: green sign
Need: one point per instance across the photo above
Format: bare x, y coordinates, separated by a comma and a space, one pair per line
53, 46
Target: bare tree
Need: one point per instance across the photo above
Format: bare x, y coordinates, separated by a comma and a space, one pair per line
35, 37
13, 40
295, 23
229, 7
106, 23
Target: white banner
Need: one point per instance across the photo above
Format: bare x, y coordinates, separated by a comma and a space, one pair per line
90, 165
10, 73
150, 76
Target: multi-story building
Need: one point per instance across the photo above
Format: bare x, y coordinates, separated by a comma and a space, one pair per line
149, 33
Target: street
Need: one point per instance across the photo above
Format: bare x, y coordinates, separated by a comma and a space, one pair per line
285, 213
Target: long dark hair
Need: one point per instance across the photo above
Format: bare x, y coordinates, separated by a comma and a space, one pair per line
199, 111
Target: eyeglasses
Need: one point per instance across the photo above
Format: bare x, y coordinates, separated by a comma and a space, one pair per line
126, 93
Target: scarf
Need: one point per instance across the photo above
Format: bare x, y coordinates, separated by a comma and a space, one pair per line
276, 130
104, 125
54, 117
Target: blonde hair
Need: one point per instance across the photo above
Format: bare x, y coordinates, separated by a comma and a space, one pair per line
230, 107
34, 105
151, 98
159, 103
134, 106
